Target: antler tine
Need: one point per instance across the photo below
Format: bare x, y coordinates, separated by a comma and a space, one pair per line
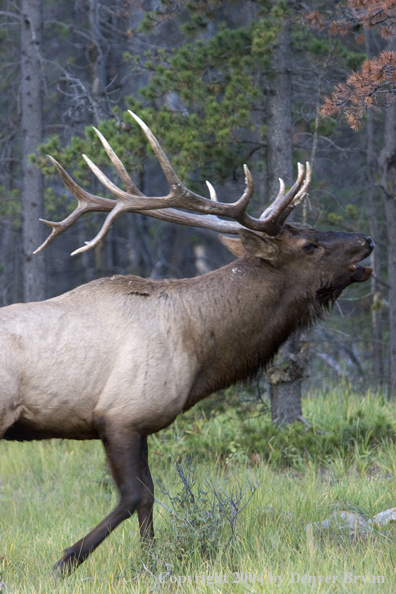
299, 197
274, 211
182, 197
131, 202
307, 181
249, 189
167, 168
303, 190
122, 172
270, 221
57, 229
86, 203
116, 212
248, 181
282, 188
212, 192
84, 198
280, 195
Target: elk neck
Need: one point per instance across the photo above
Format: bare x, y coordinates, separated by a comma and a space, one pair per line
237, 318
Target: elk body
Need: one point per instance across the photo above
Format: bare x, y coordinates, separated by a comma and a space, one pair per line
119, 358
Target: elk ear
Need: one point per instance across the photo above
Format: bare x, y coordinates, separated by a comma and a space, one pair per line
261, 247
233, 245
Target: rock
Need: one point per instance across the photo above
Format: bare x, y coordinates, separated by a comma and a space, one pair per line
355, 526
386, 517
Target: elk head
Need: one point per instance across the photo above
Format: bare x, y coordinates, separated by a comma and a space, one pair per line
327, 262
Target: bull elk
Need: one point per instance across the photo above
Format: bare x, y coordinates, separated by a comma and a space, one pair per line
119, 358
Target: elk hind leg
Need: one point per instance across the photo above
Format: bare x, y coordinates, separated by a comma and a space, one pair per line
145, 508
123, 450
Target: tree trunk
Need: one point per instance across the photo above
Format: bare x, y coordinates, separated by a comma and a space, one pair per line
390, 213
376, 288
387, 165
32, 130
286, 374
285, 377
98, 62
279, 115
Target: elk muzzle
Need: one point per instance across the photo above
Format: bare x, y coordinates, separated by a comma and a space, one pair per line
362, 273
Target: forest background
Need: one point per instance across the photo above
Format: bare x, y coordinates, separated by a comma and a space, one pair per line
220, 84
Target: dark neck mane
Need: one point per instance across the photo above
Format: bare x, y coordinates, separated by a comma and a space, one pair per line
244, 329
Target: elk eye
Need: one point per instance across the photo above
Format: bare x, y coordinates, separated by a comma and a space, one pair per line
309, 247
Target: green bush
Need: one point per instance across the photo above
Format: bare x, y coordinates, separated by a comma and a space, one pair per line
342, 424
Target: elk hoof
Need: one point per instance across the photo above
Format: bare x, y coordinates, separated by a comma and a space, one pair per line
66, 565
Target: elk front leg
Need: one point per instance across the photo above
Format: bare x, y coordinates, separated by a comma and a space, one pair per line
123, 450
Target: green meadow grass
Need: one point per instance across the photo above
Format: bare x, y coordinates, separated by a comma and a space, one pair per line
54, 492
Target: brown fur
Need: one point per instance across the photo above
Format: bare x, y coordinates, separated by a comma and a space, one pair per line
118, 359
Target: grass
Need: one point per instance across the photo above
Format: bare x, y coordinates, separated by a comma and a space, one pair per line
52, 493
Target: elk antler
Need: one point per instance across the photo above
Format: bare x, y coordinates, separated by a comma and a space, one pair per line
201, 212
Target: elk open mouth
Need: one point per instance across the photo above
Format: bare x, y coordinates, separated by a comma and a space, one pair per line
360, 273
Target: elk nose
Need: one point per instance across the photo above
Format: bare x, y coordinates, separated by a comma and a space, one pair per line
370, 242
365, 243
